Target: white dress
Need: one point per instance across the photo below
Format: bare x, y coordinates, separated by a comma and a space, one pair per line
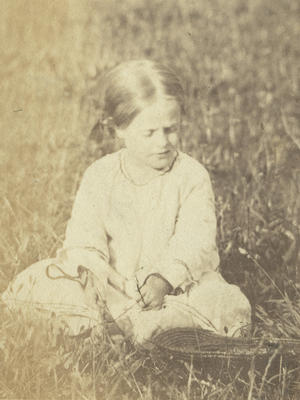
120, 233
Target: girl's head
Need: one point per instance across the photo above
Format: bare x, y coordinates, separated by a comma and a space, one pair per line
133, 85
144, 101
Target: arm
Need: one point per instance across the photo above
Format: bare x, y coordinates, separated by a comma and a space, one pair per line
85, 240
192, 248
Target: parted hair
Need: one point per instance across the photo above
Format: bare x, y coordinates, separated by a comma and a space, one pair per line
133, 85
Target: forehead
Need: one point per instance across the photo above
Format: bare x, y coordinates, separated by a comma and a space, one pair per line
162, 112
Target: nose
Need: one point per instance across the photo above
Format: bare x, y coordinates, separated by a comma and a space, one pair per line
161, 138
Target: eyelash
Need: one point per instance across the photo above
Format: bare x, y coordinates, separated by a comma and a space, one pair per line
149, 133
168, 131
171, 129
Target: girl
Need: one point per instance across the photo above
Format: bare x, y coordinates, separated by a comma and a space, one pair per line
140, 247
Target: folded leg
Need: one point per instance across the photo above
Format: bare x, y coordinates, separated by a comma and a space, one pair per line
212, 304
42, 292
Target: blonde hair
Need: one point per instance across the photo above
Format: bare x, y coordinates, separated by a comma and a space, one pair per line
134, 85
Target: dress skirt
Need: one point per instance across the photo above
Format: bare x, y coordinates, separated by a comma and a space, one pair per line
81, 302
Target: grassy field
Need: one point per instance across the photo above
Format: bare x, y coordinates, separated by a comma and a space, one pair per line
240, 63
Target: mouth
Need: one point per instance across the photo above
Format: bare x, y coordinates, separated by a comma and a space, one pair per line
163, 153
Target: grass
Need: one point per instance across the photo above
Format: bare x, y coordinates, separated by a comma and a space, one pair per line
240, 64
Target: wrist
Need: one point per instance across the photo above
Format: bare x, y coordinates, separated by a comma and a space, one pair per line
177, 273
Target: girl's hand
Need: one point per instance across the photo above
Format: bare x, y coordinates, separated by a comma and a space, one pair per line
153, 292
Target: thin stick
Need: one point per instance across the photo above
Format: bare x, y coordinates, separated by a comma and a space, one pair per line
266, 371
252, 379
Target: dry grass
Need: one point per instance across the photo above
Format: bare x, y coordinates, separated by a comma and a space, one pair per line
240, 62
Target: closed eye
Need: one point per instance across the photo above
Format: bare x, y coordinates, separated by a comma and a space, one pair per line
171, 129
149, 132
167, 130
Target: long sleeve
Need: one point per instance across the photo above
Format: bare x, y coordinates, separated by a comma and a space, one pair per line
192, 248
85, 240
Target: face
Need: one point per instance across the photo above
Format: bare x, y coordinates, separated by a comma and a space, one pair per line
152, 137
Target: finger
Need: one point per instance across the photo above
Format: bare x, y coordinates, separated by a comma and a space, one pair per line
153, 305
157, 303
147, 298
148, 306
140, 298
150, 301
143, 291
140, 301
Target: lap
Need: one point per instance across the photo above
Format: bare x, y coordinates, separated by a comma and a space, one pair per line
211, 303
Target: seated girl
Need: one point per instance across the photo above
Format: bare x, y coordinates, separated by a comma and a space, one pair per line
140, 246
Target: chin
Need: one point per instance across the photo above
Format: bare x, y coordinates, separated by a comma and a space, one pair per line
161, 165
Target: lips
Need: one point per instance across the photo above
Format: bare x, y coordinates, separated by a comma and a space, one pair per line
163, 153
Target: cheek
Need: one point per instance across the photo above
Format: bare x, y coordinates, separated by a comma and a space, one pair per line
137, 145
130, 141
174, 139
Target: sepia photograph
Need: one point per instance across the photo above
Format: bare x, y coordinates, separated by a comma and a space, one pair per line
150, 200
